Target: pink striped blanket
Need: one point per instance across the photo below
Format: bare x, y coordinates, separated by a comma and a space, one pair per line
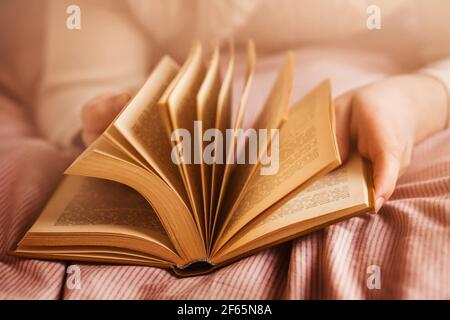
407, 245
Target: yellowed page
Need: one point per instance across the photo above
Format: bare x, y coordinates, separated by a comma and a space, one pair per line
179, 104
84, 208
102, 160
274, 113
100, 257
308, 149
116, 139
207, 99
142, 127
223, 122
343, 192
230, 154
163, 108
93, 251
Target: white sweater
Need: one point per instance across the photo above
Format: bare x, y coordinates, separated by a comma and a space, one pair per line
120, 40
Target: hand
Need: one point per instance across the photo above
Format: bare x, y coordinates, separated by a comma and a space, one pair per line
98, 113
385, 119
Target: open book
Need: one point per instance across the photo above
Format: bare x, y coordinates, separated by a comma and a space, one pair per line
135, 196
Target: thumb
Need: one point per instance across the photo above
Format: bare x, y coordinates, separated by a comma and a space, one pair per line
386, 168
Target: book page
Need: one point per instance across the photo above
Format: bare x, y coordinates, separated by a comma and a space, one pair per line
91, 207
92, 254
223, 122
179, 105
308, 149
343, 192
104, 161
273, 114
231, 145
115, 138
142, 127
207, 100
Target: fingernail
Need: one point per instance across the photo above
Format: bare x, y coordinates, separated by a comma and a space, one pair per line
378, 204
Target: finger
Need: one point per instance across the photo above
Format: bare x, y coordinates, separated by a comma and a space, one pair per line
120, 101
98, 114
88, 137
342, 110
386, 168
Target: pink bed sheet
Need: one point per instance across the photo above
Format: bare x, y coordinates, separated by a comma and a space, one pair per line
409, 240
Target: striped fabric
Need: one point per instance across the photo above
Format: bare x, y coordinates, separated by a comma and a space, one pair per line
29, 171
409, 240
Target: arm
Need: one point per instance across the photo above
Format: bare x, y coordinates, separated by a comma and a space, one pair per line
440, 71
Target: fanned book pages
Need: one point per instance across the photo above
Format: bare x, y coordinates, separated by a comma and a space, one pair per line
177, 182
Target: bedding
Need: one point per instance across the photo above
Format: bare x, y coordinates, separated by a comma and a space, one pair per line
409, 240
